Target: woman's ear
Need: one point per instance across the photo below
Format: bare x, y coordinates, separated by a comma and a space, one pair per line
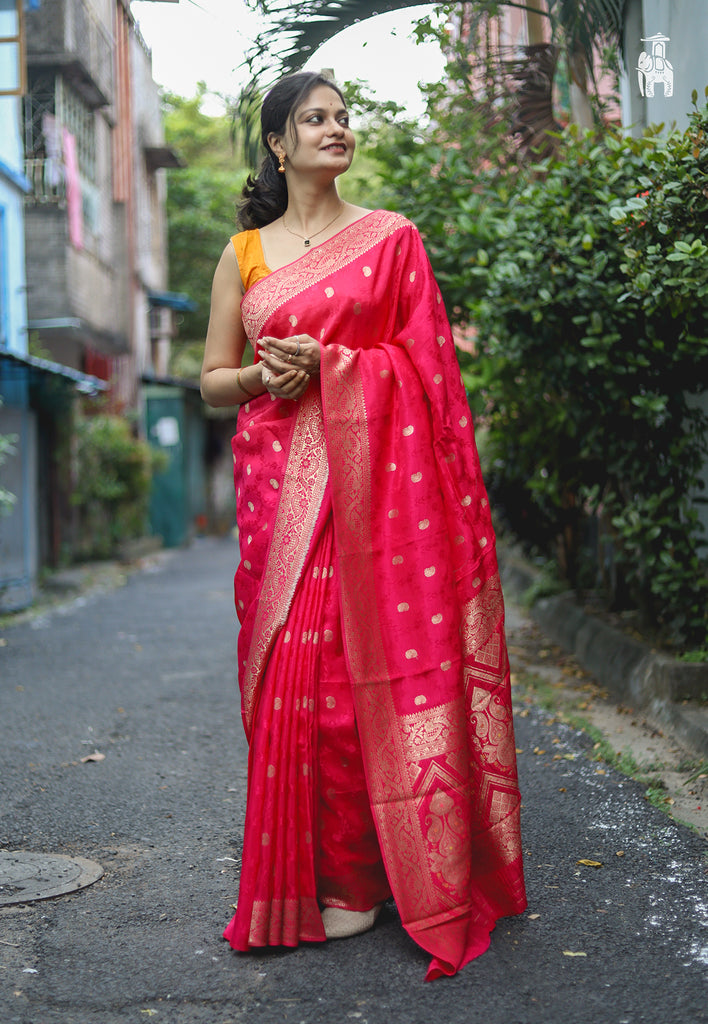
276, 144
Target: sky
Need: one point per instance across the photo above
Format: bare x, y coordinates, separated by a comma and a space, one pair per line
204, 40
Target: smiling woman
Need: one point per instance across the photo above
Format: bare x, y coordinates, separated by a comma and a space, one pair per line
291, 202
372, 660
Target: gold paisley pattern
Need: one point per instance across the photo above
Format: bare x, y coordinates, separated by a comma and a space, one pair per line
481, 617
427, 733
446, 833
493, 728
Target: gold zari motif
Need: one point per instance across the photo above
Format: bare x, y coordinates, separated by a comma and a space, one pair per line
446, 835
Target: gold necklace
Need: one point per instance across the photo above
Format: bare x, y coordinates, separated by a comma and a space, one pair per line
307, 238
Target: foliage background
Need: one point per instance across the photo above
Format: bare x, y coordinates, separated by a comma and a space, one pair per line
201, 213
113, 474
585, 279
582, 279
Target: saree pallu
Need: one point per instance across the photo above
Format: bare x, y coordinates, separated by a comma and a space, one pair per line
372, 480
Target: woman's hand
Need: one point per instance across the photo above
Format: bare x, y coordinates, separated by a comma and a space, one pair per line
282, 356
291, 384
300, 352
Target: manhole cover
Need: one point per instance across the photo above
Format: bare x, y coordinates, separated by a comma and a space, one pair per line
37, 876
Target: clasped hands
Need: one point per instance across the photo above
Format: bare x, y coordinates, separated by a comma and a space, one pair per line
288, 363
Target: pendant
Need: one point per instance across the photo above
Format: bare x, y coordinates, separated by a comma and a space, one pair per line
307, 241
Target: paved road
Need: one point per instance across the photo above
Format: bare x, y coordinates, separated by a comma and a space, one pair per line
144, 674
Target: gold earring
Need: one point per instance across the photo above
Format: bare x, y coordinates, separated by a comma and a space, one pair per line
281, 161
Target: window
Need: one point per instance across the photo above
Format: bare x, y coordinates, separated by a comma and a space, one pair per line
12, 49
40, 100
52, 105
74, 115
51, 95
4, 341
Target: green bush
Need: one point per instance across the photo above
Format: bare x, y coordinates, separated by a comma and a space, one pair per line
112, 491
586, 277
595, 316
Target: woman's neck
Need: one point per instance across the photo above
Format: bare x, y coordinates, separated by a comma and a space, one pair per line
310, 208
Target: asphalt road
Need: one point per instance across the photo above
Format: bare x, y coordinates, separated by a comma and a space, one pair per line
145, 675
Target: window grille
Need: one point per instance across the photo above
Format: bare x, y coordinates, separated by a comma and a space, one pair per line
73, 114
40, 100
50, 94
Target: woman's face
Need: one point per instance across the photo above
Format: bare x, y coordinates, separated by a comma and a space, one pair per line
319, 138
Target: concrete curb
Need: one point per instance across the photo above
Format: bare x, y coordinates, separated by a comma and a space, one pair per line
665, 689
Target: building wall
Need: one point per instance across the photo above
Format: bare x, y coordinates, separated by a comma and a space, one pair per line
18, 556
47, 240
18, 528
13, 302
507, 33
78, 33
685, 22
73, 274
103, 276
150, 193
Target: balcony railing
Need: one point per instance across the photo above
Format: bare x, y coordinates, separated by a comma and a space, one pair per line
47, 179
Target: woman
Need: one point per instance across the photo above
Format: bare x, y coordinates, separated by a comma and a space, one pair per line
372, 659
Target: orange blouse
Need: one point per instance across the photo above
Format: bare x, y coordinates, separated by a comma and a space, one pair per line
249, 253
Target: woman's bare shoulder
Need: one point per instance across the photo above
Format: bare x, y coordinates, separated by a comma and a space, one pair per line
227, 272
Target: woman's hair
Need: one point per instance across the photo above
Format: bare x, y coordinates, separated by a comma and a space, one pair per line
265, 197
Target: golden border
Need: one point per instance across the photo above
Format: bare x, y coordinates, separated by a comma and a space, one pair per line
267, 295
304, 482
393, 801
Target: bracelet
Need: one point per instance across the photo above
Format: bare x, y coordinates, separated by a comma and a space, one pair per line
241, 386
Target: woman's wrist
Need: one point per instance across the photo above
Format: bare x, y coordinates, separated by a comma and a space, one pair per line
249, 383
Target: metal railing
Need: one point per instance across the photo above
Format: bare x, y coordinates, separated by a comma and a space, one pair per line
47, 179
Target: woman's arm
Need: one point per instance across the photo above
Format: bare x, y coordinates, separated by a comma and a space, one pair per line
223, 382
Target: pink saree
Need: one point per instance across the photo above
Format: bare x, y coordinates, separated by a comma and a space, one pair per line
369, 575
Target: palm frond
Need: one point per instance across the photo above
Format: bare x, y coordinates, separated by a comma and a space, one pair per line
533, 122
585, 23
244, 112
296, 31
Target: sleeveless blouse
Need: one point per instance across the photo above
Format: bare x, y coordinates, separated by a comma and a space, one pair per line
249, 254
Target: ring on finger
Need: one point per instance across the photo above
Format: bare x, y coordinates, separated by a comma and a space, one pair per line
297, 350
290, 357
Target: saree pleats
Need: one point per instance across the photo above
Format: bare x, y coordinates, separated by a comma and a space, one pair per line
350, 870
278, 899
379, 463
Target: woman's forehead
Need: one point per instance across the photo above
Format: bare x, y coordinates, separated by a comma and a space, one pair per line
322, 97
